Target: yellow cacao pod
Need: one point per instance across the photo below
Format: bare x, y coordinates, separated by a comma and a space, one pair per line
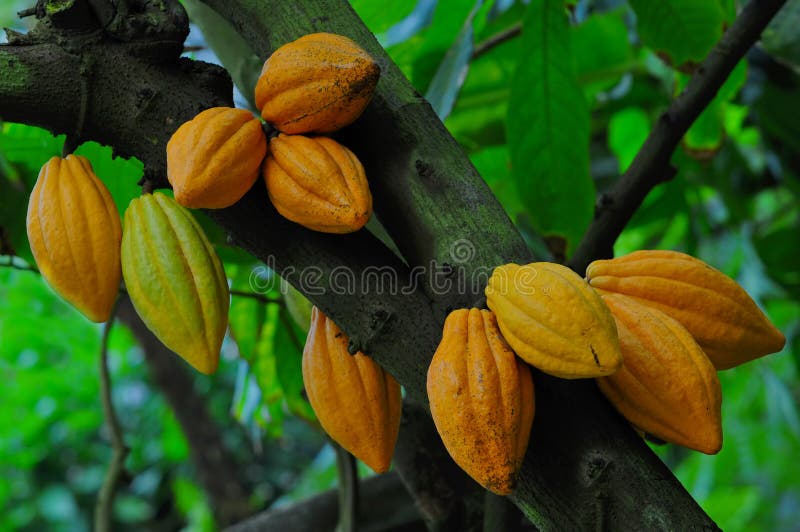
355, 400
666, 386
214, 158
553, 320
720, 315
481, 399
175, 279
318, 83
74, 231
317, 183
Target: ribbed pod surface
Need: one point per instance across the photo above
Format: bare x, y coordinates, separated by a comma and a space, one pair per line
317, 183
175, 279
74, 231
666, 386
553, 320
214, 158
481, 399
721, 316
356, 401
319, 83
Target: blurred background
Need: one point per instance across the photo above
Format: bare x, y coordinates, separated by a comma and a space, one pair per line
733, 204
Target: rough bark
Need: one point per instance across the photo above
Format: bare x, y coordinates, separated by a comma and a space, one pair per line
215, 466
585, 468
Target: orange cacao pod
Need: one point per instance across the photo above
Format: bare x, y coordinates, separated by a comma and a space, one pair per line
553, 320
666, 386
215, 157
481, 399
74, 231
720, 315
317, 183
355, 400
319, 83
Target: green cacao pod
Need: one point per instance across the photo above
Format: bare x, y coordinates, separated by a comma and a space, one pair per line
175, 279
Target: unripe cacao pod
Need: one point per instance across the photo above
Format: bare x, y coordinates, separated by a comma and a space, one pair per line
317, 183
175, 279
74, 231
317, 84
666, 386
214, 158
720, 315
355, 400
553, 320
481, 399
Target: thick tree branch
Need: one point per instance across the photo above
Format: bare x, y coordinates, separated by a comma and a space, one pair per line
652, 164
386, 506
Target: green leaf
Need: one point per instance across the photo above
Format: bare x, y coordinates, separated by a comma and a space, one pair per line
493, 164
548, 127
229, 46
706, 134
679, 30
602, 51
627, 131
781, 38
289, 368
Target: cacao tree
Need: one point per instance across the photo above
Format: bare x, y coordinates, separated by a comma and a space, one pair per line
114, 72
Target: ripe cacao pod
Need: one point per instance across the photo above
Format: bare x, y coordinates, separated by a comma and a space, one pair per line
319, 83
481, 399
666, 386
720, 315
317, 183
355, 400
553, 320
74, 231
214, 158
175, 279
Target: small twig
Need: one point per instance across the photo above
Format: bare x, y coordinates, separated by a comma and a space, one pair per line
499, 513
116, 469
29, 12
651, 166
496, 40
348, 489
258, 297
14, 266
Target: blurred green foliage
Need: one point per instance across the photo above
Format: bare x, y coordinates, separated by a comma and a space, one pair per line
550, 118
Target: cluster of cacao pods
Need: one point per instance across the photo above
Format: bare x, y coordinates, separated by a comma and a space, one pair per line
172, 274
317, 84
652, 328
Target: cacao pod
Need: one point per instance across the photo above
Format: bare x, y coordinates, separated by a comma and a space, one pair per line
317, 183
214, 158
355, 400
175, 279
666, 386
720, 315
317, 84
481, 399
74, 231
553, 320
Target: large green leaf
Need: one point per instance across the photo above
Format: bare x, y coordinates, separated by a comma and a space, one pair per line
681, 31
627, 131
548, 127
602, 51
781, 38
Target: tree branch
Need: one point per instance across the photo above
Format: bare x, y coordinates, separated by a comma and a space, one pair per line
496, 40
386, 506
116, 468
652, 164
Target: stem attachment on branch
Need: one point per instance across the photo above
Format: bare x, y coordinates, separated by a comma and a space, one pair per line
116, 469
